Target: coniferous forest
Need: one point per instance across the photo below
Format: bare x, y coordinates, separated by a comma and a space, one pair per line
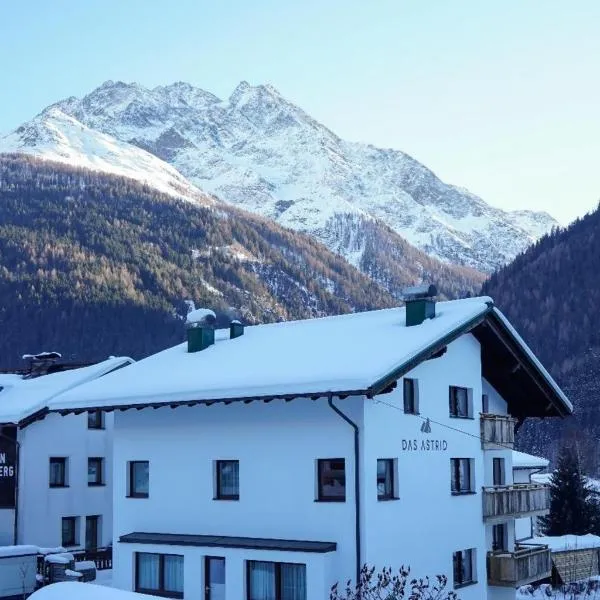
93, 265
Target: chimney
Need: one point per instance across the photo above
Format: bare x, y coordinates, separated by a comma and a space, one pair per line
200, 329
420, 303
236, 329
41, 363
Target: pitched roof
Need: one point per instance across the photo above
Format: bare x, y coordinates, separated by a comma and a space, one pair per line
520, 460
20, 398
353, 354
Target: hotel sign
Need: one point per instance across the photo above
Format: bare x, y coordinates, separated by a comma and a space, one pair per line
8, 473
424, 445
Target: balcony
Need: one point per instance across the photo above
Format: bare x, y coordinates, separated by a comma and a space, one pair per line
528, 563
513, 501
497, 431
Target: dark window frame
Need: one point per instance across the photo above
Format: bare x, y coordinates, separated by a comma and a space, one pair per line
278, 566
391, 495
95, 419
95, 519
207, 580
321, 496
73, 541
499, 530
454, 404
411, 406
161, 575
499, 469
485, 404
455, 463
131, 493
99, 472
62, 460
219, 495
457, 561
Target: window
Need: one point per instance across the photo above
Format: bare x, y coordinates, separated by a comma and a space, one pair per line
275, 581
139, 479
95, 419
69, 531
159, 574
461, 405
485, 404
461, 475
499, 537
463, 563
228, 480
92, 528
331, 476
58, 472
95, 471
498, 471
385, 479
411, 403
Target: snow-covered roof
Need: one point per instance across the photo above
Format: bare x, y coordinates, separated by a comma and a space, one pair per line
20, 398
561, 543
21, 550
74, 590
352, 353
521, 460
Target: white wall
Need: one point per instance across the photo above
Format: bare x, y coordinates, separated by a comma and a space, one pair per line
17, 575
277, 445
41, 508
7, 523
427, 524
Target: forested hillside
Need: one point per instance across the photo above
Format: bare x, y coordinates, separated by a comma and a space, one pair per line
93, 265
552, 294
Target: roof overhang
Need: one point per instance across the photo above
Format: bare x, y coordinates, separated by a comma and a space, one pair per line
507, 363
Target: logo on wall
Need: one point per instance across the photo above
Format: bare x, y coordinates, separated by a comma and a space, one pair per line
425, 445
426, 426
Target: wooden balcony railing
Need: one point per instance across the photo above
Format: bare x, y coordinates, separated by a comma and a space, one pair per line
497, 431
528, 563
514, 501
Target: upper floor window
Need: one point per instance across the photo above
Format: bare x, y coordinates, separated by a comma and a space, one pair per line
70, 531
385, 479
464, 568
461, 475
58, 472
461, 403
331, 476
411, 396
95, 419
228, 480
159, 574
138, 479
499, 537
275, 581
485, 404
95, 471
499, 472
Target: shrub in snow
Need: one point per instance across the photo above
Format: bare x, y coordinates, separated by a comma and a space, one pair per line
393, 585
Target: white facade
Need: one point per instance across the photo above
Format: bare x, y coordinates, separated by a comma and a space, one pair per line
195, 409
43, 503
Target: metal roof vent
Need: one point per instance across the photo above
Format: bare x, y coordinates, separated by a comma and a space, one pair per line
200, 329
420, 303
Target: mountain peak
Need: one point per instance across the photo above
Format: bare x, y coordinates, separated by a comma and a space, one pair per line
245, 93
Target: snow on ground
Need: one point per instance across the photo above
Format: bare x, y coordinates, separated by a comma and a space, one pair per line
104, 577
561, 543
68, 590
581, 590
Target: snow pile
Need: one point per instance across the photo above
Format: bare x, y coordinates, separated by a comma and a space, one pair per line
73, 590
59, 559
22, 550
562, 543
199, 315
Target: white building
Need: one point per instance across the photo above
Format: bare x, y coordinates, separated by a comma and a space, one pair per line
276, 461
525, 468
55, 473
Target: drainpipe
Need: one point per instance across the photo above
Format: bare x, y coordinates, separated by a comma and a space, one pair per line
356, 482
18, 452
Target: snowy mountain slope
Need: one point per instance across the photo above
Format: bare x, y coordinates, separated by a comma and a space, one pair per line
54, 135
261, 152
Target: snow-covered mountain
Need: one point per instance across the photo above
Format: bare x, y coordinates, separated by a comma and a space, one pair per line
262, 153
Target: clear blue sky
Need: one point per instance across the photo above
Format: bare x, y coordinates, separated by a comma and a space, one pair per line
501, 97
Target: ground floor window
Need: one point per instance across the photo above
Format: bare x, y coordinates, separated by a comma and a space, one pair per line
69, 531
159, 574
464, 567
92, 526
276, 581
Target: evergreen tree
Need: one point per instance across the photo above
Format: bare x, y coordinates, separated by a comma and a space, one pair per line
573, 509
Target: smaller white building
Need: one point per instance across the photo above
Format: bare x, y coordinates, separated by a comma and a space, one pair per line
525, 469
55, 473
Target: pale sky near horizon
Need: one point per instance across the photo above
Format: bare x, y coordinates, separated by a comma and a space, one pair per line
499, 97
